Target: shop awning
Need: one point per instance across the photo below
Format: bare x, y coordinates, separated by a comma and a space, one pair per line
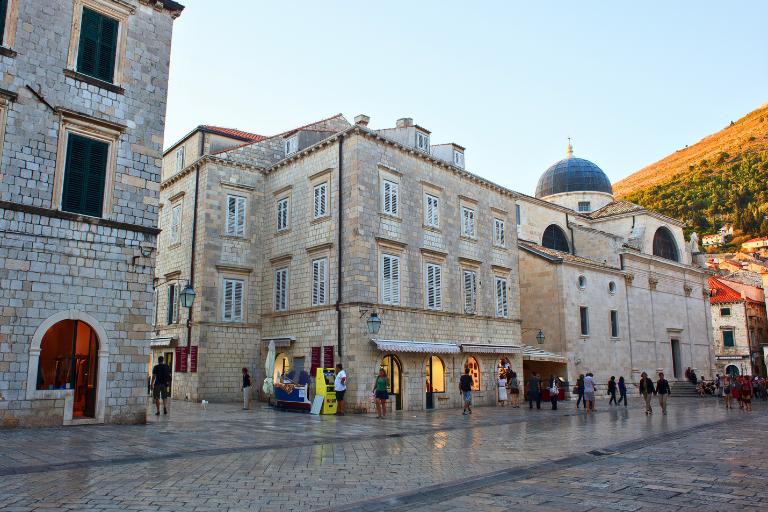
490, 349
536, 354
283, 341
163, 342
424, 347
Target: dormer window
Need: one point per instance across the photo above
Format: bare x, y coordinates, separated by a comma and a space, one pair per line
422, 141
291, 145
585, 207
458, 159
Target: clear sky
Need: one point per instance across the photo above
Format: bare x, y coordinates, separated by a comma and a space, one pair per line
510, 81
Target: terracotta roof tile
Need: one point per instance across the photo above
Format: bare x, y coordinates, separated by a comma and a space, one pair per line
231, 132
722, 293
565, 256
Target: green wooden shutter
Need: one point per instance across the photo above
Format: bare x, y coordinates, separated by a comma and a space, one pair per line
84, 176
3, 14
98, 45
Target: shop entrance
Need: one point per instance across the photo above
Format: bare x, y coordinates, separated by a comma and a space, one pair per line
69, 360
391, 366
435, 380
732, 370
676, 364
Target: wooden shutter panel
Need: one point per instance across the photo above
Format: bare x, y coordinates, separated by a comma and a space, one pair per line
231, 215
107, 49
227, 299
3, 12
386, 280
395, 281
84, 176
470, 290
237, 300
87, 54
240, 216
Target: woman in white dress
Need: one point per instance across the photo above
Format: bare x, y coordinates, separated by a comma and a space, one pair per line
502, 388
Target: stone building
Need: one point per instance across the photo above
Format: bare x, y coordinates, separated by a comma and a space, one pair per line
82, 109
739, 326
298, 238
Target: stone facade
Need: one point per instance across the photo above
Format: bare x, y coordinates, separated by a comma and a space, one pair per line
56, 265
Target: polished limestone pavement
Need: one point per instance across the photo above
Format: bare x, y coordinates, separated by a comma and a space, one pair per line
698, 457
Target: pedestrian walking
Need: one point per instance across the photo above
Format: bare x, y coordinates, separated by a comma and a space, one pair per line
646, 391
736, 391
246, 389
727, 392
465, 387
663, 390
380, 394
612, 391
161, 380
534, 391
718, 385
340, 388
514, 390
554, 388
622, 392
579, 390
502, 387
589, 392
746, 394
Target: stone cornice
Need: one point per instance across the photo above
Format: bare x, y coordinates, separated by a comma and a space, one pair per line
205, 159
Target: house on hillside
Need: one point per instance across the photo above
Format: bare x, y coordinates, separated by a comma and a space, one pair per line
756, 245
713, 240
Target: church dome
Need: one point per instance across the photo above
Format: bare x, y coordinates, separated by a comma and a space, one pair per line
573, 175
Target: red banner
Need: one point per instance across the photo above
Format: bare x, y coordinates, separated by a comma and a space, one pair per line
193, 359
328, 356
181, 359
315, 360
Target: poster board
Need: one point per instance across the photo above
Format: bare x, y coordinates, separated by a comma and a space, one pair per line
317, 405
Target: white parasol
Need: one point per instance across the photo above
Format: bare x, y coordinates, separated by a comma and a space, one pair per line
269, 367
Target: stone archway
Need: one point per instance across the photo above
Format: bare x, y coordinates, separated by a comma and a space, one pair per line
104, 346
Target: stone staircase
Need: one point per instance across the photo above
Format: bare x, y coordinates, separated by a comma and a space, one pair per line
684, 389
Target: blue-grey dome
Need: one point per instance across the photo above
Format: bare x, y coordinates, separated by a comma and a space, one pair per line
573, 175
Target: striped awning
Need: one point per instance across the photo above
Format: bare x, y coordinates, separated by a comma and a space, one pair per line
490, 349
536, 354
425, 347
162, 342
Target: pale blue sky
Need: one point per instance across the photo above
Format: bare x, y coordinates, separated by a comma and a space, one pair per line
630, 83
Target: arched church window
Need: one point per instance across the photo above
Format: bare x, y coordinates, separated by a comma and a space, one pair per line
664, 244
554, 238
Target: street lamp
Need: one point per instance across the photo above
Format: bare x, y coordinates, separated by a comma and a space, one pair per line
374, 323
539, 335
187, 296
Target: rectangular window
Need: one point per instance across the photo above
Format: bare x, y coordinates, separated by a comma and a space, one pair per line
321, 200
3, 15
458, 159
467, 222
235, 215
470, 292
585, 206
84, 175
584, 318
725, 311
499, 236
431, 211
422, 141
502, 307
291, 145
281, 289
319, 282
614, 324
175, 224
390, 279
434, 286
172, 315
97, 51
389, 197
282, 214
518, 215
180, 158
232, 301
728, 338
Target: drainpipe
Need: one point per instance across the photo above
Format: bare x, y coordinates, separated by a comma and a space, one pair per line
339, 251
573, 240
194, 241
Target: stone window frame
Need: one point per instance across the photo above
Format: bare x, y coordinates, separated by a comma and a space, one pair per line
104, 131
731, 330
582, 282
8, 38
322, 258
179, 158
499, 235
391, 249
176, 241
394, 193
437, 284
115, 9
280, 228
465, 234
501, 302
277, 306
235, 279
582, 325
614, 314
585, 206
723, 309
612, 287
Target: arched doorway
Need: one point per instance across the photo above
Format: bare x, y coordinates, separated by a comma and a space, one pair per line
434, 379
69, 360
474, 372
394, 370
732, 370
282, 367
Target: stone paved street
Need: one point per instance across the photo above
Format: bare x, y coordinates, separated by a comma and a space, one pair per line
699, 457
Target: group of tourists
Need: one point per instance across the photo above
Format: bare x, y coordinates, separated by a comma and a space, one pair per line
740, 389
508, 385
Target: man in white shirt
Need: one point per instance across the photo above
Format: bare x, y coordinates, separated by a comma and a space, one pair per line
340, 387
589, 392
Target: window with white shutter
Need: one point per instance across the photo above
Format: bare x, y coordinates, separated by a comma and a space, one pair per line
422, 141
468, 222
434, 286
321, 200
389, 197
431, 211
518, 215
319, 282
232, 301
172, 312
291, 145
175, 224
282, 214
281, 289
180, 158
502, 307
235, 215
470, 292
499, 236
390, 279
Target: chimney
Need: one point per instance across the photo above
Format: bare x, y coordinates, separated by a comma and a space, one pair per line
404, 122
362, 120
